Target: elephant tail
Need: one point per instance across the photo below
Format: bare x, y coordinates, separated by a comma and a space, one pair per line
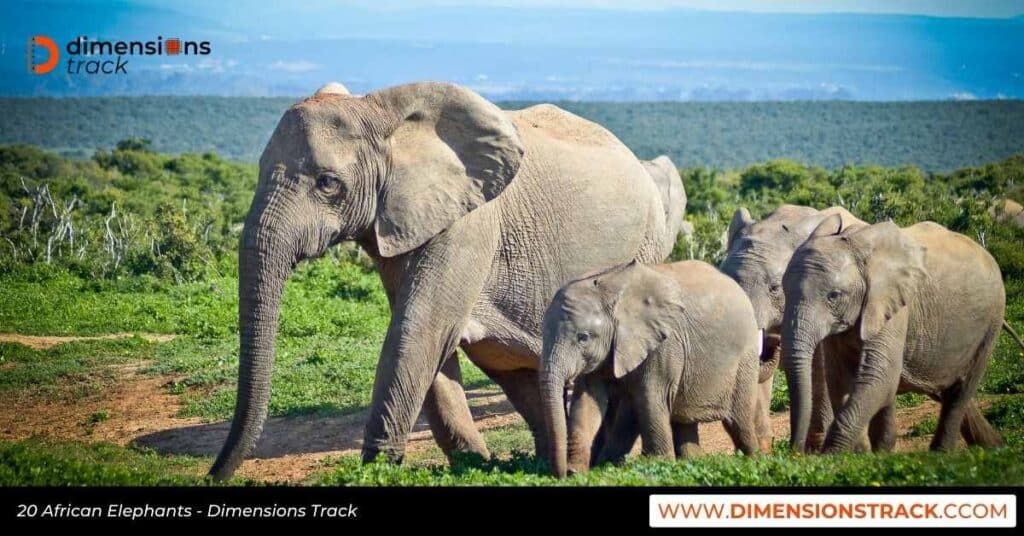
977, 431
1009, 329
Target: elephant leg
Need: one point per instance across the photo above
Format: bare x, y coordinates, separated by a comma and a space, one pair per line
840, 373
975, 428
586, 415
653, 415
621, 433
741, 422
951, 416
874, 388
522, 389
882, 430
686, 439
447, 411
958, 400
427, 320
743, 435
763, 412
821, 404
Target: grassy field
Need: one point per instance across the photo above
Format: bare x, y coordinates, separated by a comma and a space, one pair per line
67, 412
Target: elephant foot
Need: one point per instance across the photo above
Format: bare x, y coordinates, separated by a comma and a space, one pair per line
578, 466
816, 441
765, 445
470, 452
389, 454
578, 457
690, 450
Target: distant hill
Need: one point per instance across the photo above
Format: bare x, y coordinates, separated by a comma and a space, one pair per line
935, 136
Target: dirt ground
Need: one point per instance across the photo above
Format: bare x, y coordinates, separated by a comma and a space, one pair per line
142, 411
44, 342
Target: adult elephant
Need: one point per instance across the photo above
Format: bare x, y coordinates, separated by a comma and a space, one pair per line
1007, 211
756, 257
474, 217
916, 309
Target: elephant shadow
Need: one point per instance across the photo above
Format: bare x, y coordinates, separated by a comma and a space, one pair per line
301, 434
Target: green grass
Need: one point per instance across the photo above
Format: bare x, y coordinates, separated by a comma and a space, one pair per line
333, 319
37, 462
73, 369
971, 467
924, 428
910, 400
326, 297
1007, 415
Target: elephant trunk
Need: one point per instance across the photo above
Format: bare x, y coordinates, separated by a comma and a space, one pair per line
265, 261
771, 353
799, 338
553, 381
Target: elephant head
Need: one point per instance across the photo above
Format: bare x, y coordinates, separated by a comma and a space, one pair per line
837, 281
614, 319
390, 170
757, 255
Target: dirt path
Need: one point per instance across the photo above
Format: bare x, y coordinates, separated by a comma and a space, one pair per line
140, 410
45, 342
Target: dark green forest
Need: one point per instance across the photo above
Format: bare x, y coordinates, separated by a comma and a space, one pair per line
934, 136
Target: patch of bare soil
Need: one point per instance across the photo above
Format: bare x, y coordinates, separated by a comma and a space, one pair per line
140, 410
45, 341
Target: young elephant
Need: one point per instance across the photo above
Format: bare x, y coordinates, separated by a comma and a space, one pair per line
757, 255
899, 310
679, 343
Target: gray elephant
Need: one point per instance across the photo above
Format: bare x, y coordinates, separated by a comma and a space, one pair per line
673, 195
916, 309
679, 344
474, 217
756, 257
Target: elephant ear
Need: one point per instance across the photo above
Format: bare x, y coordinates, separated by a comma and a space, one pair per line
644, 315
741, 219
450, 150
829, 226
893, 268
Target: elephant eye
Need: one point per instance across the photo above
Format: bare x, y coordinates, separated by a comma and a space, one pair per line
582, 336
834, 295
774, 289
328, 183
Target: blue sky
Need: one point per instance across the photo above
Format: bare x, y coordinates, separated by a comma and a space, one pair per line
939, 8
538, 50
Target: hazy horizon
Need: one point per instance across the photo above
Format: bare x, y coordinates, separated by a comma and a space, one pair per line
648, 50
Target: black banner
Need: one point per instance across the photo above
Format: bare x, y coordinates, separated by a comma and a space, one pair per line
363, 509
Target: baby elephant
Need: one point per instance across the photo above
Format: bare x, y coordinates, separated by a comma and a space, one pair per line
679, 344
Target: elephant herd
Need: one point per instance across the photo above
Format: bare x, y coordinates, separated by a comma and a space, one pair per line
531, 240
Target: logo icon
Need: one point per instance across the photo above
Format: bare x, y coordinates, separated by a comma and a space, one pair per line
172, 46
52, 54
